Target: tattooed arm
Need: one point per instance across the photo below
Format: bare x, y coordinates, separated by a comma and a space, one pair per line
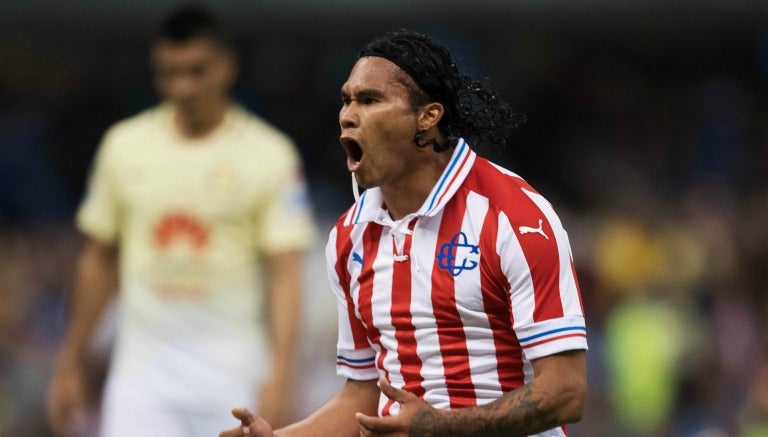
554, 397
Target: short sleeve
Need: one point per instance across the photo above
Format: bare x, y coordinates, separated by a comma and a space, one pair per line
546, 307
287, 220
355, 359
98, 215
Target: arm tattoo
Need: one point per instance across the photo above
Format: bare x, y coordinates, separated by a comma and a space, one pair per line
520, 412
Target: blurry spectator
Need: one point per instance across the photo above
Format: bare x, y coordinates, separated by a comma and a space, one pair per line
754, 415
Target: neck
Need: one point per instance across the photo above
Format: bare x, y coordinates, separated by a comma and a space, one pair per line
202, 124
409, 194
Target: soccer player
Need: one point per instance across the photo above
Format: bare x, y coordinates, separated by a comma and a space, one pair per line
197, 212
459, 310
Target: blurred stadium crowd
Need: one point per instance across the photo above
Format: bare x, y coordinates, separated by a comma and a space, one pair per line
650, 138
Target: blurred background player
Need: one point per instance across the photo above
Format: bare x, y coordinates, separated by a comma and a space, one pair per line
197, 213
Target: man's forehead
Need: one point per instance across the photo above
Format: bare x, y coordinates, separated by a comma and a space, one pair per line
375, 72
193, 46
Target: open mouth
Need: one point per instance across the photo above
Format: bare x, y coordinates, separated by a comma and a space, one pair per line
353, 149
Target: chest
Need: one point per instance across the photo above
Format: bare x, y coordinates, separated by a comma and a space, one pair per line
209, 183
444, 272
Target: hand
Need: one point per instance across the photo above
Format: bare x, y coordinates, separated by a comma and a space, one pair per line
410, 406
273, 402
67, 401
249, 425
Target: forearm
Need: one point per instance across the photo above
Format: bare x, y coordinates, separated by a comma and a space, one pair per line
337, 416
554, 397
285, 316
284, 331
520, 412
95, 282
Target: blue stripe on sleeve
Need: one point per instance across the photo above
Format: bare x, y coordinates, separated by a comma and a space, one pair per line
554, 331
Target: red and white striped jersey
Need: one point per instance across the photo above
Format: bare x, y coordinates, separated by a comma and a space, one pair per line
454, 301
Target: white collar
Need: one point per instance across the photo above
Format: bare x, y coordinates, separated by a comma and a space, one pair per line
370, 206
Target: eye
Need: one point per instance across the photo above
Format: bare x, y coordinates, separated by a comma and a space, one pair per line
367, 101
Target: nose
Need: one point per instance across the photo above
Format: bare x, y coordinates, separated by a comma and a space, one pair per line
182, 88
347, 117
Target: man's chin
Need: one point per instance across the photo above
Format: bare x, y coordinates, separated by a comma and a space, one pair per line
361, 182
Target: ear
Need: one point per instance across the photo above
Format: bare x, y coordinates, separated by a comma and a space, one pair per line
229, 66
430, 114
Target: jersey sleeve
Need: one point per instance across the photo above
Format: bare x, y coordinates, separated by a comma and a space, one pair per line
98, 215
287, 220
548, 316
355, 359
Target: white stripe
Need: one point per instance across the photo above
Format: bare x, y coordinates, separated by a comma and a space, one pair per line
469, 301
381, 307
515, 268
423, 319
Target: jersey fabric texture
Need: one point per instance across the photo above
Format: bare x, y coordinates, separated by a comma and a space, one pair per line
191, 218
454, 301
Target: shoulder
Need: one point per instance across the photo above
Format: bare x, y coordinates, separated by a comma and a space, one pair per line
143, 123
506, 190
122, 137
125, 135
341, 234
261, 136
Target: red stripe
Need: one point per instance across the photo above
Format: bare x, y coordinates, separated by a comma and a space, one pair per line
343, 363
553, 339
343, 248
541, 254
400, 312
371, 237
455, 175
497, 305
450, 329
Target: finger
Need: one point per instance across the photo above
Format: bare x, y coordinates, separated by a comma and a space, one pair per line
245, 416
393, 393
234, 432
374, 424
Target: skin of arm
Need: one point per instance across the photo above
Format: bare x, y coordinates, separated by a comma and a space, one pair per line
335, 418
95, 284
284, 282
554, 397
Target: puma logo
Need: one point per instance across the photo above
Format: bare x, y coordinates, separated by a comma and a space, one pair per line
530, 230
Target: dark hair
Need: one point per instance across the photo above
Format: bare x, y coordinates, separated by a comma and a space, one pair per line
188, 23
471, 110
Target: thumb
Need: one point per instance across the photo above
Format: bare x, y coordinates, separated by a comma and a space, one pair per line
243, 415
393, 393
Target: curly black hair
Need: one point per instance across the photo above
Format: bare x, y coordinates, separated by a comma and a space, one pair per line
471, 111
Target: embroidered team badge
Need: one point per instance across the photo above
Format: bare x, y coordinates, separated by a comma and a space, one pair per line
458, 249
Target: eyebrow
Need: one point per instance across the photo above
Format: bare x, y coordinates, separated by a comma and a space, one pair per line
363, 93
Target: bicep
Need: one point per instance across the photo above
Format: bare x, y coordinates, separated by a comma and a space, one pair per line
284, 266
563, 376
98, 262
